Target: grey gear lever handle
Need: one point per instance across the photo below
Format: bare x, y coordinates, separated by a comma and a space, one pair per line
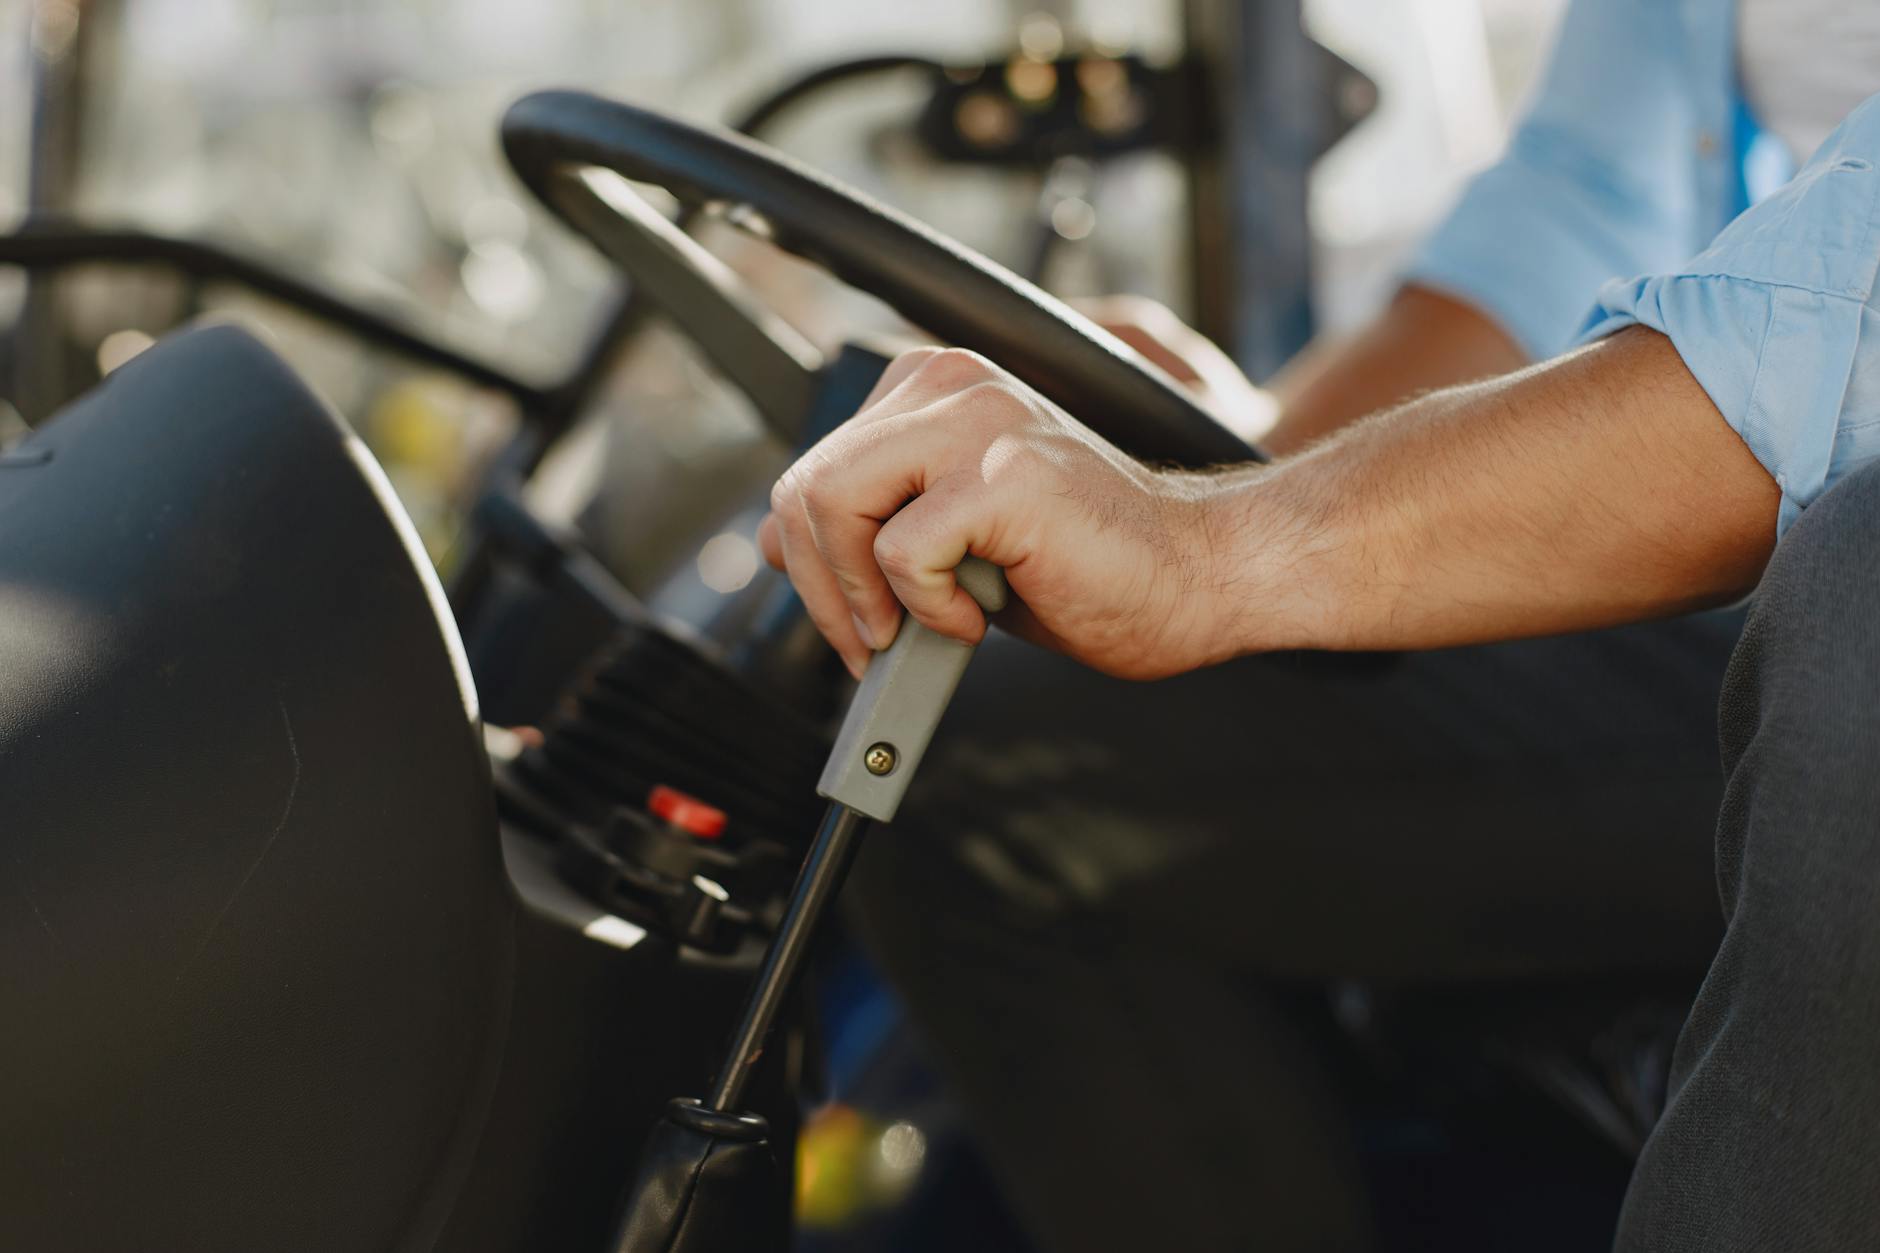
890, 721
904, 692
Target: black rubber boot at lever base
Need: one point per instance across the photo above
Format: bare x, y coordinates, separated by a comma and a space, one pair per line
708, 1183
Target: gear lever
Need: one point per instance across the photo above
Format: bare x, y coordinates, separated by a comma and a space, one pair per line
707, 1170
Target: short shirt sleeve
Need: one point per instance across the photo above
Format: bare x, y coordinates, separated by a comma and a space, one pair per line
1777, 320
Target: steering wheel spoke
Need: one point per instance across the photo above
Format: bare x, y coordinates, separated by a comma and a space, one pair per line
762, 355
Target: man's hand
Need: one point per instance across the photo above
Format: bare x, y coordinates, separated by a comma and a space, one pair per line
951, 455
1190, 358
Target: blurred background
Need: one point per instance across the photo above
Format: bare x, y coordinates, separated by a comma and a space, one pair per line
1261, 167
352, 143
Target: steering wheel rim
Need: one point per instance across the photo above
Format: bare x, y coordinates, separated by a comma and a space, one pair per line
938, 284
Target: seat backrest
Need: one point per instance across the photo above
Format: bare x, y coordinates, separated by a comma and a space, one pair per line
256, 944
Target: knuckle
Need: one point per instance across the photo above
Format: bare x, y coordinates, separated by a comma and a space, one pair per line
993, 406
817, 510
911, 359
954, 368
817, 499
809, 480
1010, 462
893, 556
995, 396
789, 526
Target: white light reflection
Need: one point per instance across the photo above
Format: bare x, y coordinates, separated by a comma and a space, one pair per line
502, 280
727, 563
903, 1147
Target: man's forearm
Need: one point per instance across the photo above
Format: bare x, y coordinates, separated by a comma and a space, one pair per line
1601, 487
1421, 341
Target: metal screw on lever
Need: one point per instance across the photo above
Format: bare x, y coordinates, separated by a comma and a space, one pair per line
889, 724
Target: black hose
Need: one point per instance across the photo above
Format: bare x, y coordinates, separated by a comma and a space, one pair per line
758, 117
53, 244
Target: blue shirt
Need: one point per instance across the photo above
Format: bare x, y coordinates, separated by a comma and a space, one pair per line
1622, 188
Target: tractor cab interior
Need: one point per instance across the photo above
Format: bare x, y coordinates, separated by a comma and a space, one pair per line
375, 890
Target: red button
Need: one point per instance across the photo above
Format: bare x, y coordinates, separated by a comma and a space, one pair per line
688, 813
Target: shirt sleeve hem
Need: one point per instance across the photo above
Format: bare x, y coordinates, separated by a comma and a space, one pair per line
1775, 360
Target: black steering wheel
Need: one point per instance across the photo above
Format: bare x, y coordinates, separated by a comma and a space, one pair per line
575, 151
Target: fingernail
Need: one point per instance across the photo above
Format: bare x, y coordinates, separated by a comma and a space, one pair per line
861, 629
855, 667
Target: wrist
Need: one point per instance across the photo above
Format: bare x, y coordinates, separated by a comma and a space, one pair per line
1290, 563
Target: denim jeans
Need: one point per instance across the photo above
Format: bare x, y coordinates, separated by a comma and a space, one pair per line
1099, 895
